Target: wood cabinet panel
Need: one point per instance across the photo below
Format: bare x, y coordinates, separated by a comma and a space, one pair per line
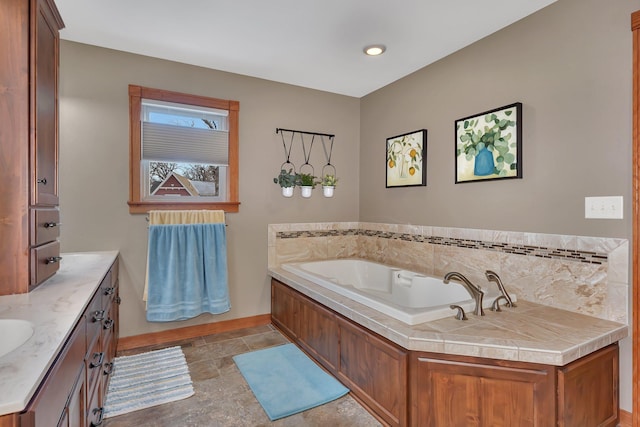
44, 100
285, 307
319, 334
481, 392
588, 390
376, 369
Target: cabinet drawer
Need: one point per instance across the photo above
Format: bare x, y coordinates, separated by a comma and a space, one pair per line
45, 226
45, 261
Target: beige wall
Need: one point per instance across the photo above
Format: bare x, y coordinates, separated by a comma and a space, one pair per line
570, 65
94, 165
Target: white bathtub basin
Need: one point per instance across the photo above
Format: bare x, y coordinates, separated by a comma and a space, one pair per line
407, 296
13, 333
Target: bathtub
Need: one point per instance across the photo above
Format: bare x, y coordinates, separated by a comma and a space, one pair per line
407, 296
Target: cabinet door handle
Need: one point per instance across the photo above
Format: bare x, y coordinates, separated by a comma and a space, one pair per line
53, 259
42, 181
99, 411
108, 368
118, 299
108, 324
109, 291
100, 357
51, 224
98, 316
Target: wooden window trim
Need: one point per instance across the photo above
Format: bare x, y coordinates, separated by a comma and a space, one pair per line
136, 204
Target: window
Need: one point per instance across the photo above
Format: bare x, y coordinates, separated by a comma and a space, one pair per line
183, 151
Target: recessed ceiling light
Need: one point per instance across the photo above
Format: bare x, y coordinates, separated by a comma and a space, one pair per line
375, 49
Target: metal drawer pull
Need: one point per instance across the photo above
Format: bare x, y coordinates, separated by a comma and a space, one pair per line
100, 417
118, 300
51, 224
98, 316
109, 291
100, 357
108, 368
108, 324
42, 181
53, 259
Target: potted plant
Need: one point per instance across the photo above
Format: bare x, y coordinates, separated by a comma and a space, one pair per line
328, 185
286, 180
307, 182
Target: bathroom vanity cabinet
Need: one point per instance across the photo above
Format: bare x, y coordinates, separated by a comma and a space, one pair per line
403, 387
29, 218
72, 392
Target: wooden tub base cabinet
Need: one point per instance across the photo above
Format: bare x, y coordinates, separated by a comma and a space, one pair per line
402, 387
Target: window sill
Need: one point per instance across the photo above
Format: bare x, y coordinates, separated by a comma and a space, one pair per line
145, 207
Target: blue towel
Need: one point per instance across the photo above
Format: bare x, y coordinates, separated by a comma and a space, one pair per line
187, 271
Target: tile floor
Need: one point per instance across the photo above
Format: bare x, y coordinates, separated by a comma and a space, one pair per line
223, 398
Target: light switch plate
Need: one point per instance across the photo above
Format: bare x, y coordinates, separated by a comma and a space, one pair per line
609, 207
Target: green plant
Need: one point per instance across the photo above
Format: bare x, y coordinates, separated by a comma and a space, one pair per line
286, 179
493, 136
306, 180
329, 180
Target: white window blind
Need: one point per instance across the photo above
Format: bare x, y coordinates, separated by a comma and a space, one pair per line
177, 142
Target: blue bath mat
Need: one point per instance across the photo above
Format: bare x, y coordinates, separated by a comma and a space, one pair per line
285, 381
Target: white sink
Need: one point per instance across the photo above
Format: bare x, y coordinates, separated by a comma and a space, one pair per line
13, 333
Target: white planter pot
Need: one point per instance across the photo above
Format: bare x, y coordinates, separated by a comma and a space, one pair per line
327, 190
306, 191
287, 191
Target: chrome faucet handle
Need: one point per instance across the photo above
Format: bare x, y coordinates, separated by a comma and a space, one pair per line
493, 277
460, 313
496, 303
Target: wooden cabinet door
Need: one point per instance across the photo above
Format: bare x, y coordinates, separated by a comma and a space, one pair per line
588, 390
376, 371
74, 415
284, 309
319, 334
45, 106
479, 392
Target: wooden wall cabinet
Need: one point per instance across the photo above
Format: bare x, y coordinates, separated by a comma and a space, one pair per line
73, 391
29, 49
430, 389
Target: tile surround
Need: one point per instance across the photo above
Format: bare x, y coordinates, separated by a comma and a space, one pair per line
587, 275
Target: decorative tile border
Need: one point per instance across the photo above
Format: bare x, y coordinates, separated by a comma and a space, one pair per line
588, 257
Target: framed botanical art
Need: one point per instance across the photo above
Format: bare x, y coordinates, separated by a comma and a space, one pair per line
406, 159
489, 145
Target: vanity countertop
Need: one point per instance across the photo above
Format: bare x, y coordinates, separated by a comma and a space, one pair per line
530, 332
53, 308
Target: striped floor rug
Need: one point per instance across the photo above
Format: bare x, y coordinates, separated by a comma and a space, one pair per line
147, 379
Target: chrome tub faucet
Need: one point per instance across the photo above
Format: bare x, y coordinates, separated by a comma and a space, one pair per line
493, 277
474, 290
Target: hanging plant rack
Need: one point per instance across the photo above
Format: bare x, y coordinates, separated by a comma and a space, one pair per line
307, 154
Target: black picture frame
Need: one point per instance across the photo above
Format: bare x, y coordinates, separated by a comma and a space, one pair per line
488, 145
406, 159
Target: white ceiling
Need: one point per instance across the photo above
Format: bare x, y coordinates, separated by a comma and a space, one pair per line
312, 43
